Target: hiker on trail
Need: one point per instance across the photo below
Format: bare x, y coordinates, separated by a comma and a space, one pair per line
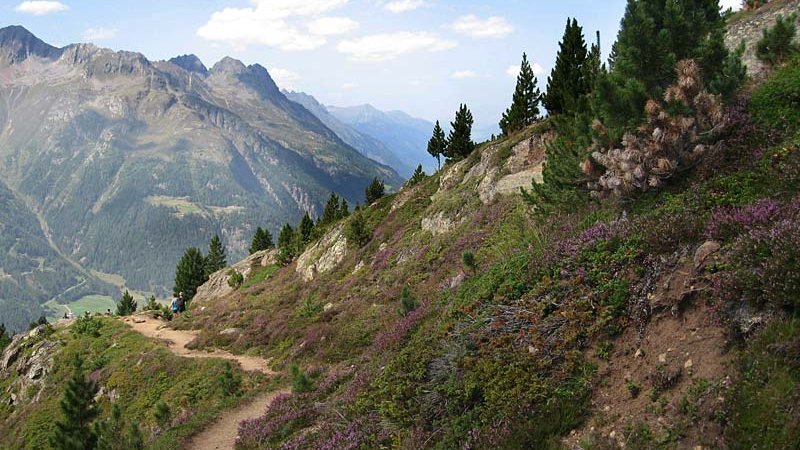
181, 303
174, 304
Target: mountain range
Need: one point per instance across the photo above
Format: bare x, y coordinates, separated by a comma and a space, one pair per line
128, 161
393, 138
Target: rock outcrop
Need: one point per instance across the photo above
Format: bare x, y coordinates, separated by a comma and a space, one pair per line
217, 285
28, 358
323, 256
750, 29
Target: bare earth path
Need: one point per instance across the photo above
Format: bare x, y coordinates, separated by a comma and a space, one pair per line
221, 435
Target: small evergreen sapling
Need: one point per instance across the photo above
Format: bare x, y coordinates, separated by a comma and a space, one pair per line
407, 301
113, 434
127, 305
417, 176
74, 430
468, 259
777, 44
357, 231
235, 278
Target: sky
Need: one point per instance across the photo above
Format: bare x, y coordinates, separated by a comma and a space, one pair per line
424, 57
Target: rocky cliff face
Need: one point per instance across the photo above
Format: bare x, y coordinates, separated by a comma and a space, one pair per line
751, 27
131, 161
27, 361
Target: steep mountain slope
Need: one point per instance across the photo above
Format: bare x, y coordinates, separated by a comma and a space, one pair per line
32, 272
364, 143
668, 320
130, 161
406, 136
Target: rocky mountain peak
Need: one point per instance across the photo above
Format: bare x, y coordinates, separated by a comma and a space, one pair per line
190, 63
17, 44
228, 66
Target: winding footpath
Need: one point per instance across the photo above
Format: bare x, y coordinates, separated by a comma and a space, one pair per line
221, 435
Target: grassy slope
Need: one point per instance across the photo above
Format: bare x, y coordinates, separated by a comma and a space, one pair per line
142, 372
509, 357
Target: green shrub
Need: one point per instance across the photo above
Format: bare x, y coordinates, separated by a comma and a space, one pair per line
776, 103
407, 302
162, 414
86, 325
777, 44
357, 232
468, 259
230, 382
235, 278
300, 381
311, 307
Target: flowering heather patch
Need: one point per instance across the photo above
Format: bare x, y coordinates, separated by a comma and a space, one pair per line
727, 222
365, 432
571, 248
764, 258
401, 329
287, 413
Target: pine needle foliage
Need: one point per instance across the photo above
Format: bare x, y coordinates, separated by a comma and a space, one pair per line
74, 430
524, 109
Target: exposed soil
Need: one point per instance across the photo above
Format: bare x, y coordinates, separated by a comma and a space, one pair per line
222, 433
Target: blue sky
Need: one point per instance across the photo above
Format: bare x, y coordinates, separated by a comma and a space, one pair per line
420, 56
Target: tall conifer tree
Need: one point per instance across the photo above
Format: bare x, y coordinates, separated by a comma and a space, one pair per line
459, 143
262, 240
437, 144
216, 259
190, 273
568, 82
524, 109
305, 228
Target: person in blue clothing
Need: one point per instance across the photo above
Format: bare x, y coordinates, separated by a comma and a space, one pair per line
174, 304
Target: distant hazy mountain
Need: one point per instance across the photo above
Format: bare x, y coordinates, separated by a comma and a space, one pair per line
407, 137
364, 143
131, 161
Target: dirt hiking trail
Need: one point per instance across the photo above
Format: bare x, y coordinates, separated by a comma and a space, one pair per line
221, 435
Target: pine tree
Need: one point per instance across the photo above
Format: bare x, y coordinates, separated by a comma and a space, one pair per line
113, 434
190, 273
127, 305
73, 430
5, 339
654, 35
417, 176
459, 143
375, 191
437, 144
344, 209
524, 109
305, 228
286, 236
357, 231
262, 240
215, 260
332, 210
407, 301
777, 44
570, 80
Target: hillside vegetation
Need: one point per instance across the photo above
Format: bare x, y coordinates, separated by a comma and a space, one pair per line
663, 315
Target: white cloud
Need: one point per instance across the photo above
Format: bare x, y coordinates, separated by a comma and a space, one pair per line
40, 7
268, 23
463, 74
284, 78
349, 86
401, 6
385, 46
99, 34
536, 68
328, 26
734, 4
289, 8
494, 27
